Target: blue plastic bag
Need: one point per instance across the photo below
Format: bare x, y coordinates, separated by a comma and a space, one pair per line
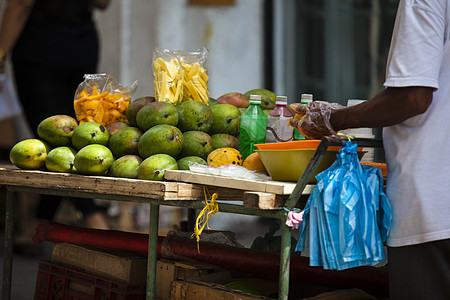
348, 216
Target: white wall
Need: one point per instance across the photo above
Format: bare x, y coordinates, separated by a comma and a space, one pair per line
130, 31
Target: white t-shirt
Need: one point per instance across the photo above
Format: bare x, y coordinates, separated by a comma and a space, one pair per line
418, 150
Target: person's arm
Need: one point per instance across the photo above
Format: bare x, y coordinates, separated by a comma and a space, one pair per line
100, 4
389, 107
14, 18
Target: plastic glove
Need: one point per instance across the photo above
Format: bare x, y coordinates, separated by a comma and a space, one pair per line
313, 119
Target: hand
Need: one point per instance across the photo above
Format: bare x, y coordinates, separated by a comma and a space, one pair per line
315, 123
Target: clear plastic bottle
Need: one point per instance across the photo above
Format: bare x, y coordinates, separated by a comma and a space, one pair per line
253, 127
278, 128
305, 99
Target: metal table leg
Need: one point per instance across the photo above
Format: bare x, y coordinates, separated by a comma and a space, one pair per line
285, 262
8, 251
152, 251
192, 215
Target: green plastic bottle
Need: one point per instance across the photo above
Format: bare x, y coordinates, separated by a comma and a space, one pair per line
305, 99
253, 127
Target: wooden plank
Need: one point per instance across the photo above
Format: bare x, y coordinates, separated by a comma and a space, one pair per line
266, 186
262, 200
228, 189
10, 175
75, 182
208, 290
128, 267
158, 190
197, 193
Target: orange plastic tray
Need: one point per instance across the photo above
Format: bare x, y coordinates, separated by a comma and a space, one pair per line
306, 144
382, 166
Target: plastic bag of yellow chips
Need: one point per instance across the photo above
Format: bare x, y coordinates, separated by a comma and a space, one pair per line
99, 98
180, 76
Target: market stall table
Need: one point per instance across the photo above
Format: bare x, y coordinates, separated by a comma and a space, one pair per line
260, 198
172, 193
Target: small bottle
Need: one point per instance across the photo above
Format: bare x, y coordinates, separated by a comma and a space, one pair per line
253, 127
278, 128
305, 99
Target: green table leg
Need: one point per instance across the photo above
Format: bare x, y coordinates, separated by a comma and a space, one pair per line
152, 251
285, 262
192, 215
8, 251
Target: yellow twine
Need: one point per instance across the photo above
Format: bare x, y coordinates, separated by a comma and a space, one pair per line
203, 217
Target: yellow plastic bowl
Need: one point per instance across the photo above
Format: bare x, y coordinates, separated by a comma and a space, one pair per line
305, 144
289, 165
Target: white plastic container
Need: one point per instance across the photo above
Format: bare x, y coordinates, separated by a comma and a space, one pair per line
361, 133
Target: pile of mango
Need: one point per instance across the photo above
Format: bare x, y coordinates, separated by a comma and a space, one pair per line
155, 136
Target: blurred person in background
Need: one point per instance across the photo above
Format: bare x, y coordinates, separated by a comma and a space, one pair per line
414, 110
52, 44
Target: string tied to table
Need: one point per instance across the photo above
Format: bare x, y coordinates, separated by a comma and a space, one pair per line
211, 208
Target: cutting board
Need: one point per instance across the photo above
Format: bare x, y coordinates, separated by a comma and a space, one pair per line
266, 186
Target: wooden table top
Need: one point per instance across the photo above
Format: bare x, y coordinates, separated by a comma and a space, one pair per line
179, 185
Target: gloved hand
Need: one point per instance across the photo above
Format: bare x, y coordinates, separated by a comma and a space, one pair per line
313, 119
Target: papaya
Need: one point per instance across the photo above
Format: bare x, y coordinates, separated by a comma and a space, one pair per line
224, 156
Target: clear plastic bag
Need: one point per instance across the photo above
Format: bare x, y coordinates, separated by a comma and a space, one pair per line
234, 171
180, 76
348, 216
101, 99
312, 120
